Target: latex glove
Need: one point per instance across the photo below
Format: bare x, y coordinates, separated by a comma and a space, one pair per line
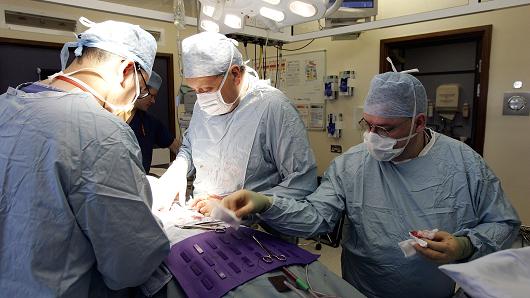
245, 202
172, 185
202, 204
445, 248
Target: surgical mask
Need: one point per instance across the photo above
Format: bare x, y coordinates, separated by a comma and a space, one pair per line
382, 148
213, 103
121, 111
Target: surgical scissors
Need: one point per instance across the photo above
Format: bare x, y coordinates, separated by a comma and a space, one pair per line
268, 258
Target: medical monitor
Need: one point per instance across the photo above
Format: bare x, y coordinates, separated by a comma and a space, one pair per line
355, 9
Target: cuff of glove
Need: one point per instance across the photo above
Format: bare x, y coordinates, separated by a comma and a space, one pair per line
466, 247
261, 203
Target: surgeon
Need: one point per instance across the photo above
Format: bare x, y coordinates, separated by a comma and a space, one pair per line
149, 131
404, 177
243, 132
75, 217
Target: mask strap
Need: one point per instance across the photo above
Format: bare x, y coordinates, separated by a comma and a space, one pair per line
391, 64
67, 77
81, 85
413, 118
226, 73
404, 71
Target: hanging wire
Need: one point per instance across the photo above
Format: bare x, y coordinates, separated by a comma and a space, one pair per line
262, 59
260, 65
255, 56
277, 67
265, 57
245, 44
290, 50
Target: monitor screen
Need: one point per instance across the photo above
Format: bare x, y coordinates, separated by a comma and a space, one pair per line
355, 9
355, 4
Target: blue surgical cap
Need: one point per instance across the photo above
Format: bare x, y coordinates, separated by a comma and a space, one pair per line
208, 54
122, 39
392, 95
154, 81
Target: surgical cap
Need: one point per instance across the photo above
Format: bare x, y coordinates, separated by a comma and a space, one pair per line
122, 39
154, 81
208, 54
392, 95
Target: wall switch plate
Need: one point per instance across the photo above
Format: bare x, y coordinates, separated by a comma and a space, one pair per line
516, 103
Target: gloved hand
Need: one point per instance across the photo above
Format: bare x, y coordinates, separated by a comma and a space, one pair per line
172, 185
244, 202
446, 248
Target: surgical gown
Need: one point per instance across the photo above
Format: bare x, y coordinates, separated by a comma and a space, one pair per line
262, 145
449, 188
74, 200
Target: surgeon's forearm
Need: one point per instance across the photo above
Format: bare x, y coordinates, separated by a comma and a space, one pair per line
295, 218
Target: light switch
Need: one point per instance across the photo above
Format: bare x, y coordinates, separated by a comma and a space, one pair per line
516, 103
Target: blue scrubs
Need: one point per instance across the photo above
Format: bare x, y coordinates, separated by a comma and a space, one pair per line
450, 188
75, 212
261, 145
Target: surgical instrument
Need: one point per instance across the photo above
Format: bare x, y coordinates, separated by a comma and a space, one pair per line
269, 257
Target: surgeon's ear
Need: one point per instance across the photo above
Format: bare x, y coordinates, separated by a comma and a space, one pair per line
237, 73
421, 122
126, 68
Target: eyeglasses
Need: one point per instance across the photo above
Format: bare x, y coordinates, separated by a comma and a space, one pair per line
146, 92
382, 131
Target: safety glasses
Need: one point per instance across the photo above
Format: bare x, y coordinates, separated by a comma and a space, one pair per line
145, 92
382, 131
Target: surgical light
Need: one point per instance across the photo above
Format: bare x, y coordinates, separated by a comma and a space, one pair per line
272, 14
303, 9
209, 26
273, 2
208, 10
233, 21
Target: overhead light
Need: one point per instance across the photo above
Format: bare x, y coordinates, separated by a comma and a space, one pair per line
272, 14
303, 9
208, 10
209, 26
233, 21
273, 2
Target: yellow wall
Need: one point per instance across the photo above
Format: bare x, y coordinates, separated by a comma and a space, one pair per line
507, 143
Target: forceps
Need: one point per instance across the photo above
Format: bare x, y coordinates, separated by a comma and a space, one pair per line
269, 257
212, 226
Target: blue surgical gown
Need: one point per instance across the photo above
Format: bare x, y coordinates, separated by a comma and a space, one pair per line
262, 145
450, 188
74, 200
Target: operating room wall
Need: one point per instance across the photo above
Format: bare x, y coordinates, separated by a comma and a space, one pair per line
507, 141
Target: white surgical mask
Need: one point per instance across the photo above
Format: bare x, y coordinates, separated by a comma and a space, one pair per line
382, 148
213, 103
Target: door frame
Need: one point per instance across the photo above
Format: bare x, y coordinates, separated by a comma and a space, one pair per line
480, 34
